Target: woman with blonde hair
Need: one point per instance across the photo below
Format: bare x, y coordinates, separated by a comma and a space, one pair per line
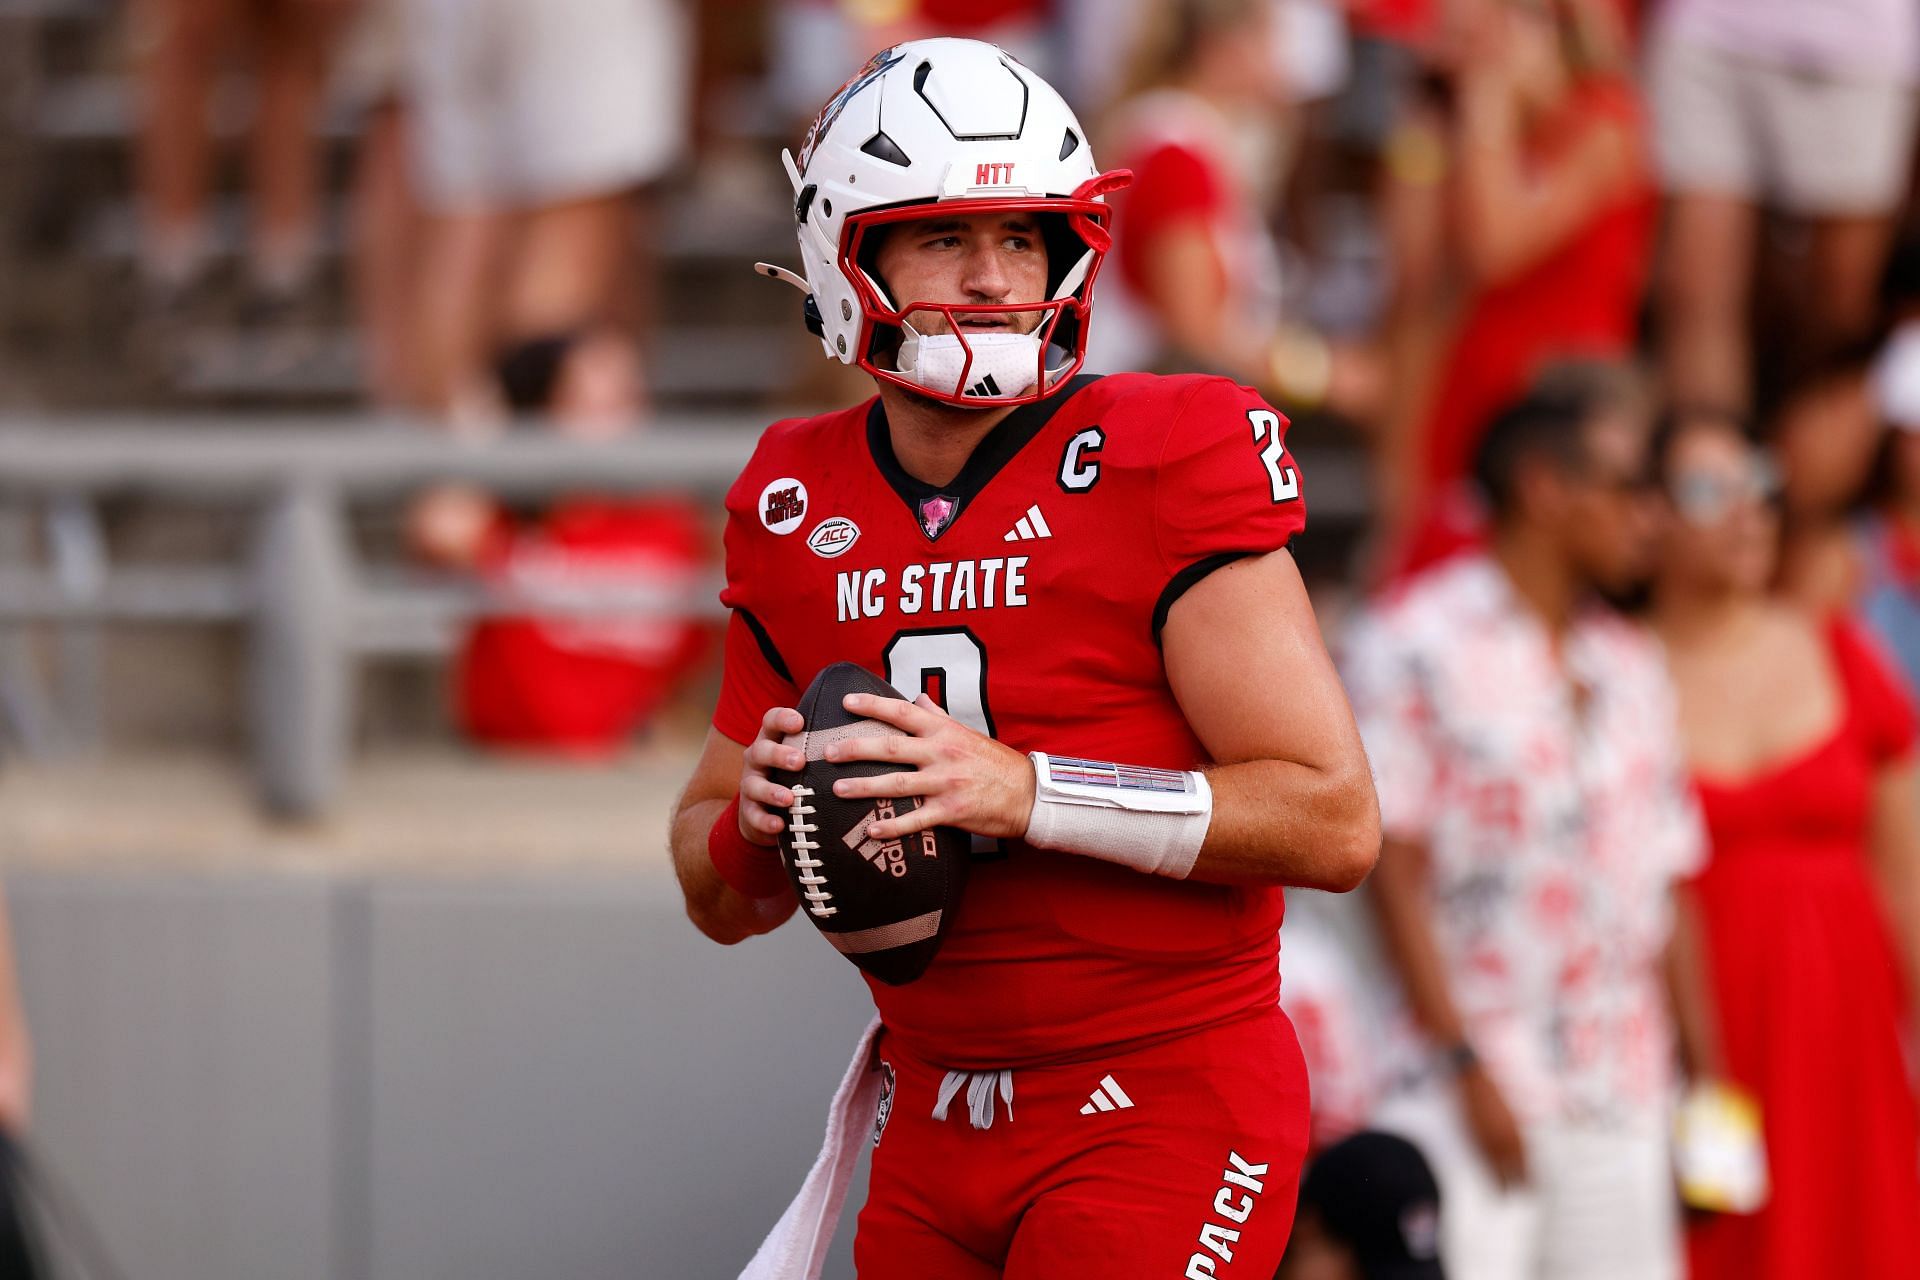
1197, 282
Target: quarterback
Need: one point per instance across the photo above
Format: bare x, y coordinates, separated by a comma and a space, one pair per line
1059, 569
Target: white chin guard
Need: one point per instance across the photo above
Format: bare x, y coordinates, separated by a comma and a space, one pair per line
1004, 364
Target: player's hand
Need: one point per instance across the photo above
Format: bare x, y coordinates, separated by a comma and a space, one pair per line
1495, 1131
760, 796
964, 778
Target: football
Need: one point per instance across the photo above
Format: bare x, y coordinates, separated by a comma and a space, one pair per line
886, 905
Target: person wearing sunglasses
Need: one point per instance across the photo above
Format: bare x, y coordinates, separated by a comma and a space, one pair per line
1801, 743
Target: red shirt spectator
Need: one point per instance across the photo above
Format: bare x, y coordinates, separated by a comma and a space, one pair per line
583, 683
1579, 300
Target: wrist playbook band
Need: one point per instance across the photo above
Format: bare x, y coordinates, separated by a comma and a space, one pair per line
1153, 820
749, 869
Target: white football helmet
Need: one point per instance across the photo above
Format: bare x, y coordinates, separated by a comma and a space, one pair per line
958, 123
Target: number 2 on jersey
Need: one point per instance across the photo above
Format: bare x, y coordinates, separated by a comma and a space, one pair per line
1285, 480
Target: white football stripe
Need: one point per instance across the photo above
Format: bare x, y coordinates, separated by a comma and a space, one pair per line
1039, 522
1012, 536
1100, 1101
1024, 529
1112, 1086
1087, 1110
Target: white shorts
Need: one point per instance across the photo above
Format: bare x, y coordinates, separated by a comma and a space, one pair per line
534, 102
1599, 1204
1803, 141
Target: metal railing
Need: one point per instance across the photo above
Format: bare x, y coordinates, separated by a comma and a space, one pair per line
310, 609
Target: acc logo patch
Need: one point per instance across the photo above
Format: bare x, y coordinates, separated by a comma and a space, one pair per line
886, 1101
783, 505
832, 536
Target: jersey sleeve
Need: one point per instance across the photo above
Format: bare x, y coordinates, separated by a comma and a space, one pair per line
1225, 488
1881, 701
754, 677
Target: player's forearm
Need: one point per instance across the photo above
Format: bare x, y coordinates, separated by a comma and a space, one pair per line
715, 907
1279, 822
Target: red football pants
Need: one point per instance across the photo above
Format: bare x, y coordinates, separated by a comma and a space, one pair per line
1180, 1159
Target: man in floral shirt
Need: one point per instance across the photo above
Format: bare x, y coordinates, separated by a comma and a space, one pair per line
1536, 819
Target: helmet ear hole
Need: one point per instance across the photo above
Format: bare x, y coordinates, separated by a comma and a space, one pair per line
1065, 249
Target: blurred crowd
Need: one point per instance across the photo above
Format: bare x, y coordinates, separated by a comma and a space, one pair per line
1637, 698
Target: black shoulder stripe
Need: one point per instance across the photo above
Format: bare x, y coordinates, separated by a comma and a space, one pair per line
1183, 582
772, 655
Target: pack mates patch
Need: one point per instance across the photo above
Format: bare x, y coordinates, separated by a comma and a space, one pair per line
783, 505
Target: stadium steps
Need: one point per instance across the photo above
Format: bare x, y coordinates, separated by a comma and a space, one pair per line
70, 319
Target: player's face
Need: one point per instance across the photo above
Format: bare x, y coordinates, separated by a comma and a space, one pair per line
1719, 529
966, 259
1609, 517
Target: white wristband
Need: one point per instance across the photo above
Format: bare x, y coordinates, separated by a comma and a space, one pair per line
1153, 820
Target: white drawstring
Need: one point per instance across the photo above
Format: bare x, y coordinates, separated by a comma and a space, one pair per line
980, 1090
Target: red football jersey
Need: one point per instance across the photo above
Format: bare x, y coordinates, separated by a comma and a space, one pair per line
1027, 597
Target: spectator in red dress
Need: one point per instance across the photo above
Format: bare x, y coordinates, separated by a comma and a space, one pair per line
1529, 174
1801, 745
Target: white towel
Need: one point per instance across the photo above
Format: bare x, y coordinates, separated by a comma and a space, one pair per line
797, 1245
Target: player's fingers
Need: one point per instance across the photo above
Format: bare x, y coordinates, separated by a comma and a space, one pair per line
763, 792
904, 782
780, 720
894, 711
889, 748
765, 753
754, 819
926, 703
767, 824
905, 824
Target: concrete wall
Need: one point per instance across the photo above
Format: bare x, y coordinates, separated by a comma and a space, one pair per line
341, 1077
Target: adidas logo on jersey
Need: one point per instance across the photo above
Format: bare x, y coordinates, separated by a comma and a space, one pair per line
1108, 1097
1032, 525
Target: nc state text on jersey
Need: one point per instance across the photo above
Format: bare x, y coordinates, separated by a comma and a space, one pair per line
947, 586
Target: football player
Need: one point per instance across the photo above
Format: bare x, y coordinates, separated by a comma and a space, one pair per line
1083, 584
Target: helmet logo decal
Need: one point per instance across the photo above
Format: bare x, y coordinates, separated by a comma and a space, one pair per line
985, 175
876, 67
